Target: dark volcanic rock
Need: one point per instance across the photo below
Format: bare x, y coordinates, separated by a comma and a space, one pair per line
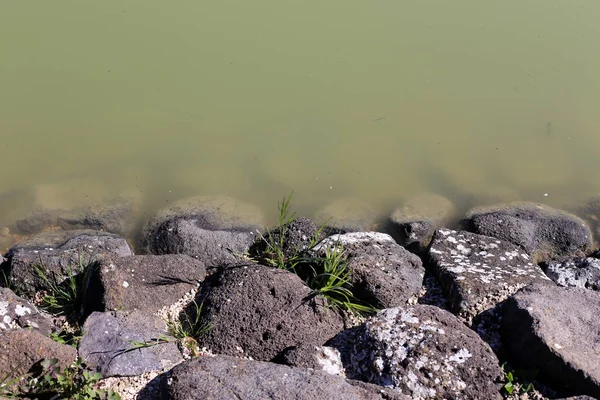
61, 260
16, 313
320, 358
21, 349
107, 344
555, 330
347, 215
544, 232
590, 213
259, 311
215, 230
577, 272
383, 273
225, 377
478, 272
146, 283
414, 222
423, 351
297, 237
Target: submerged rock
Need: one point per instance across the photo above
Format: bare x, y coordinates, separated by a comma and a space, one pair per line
215, 230
421, 351
555, 330
347, 215
544, 232
414, 222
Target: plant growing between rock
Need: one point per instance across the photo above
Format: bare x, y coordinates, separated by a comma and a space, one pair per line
516, 384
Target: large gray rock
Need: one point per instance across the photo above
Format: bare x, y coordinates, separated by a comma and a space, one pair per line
414, 222
20, 349
258, 311
478, 272
382, 273
146, 282
61, 260
347, 215
108, 344
544, 232
577, 272
18, 313
421, 351
215, 230
225, 377
555, 330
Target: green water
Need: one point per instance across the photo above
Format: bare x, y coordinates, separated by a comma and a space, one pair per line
374, 100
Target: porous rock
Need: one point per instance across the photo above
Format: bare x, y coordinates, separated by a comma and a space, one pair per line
555, 330
18, 313
298, 236
109, 338
320, 358
347, 215
544, 232
21, 349
414, 222
382, 273
478, 272
423, 352
223, 377
215, 230
577, 272
58, 262
145, 282
258, 311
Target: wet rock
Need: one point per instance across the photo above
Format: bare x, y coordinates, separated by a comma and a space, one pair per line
555, 330
108, 344
224, 377
544, 232
258, 311
347, 215
422, 351
478, 272
319, 358
215, 230
414, 222
577, 272
146, 282
590, 213
18, 313
21, 349
60, 261
383, 273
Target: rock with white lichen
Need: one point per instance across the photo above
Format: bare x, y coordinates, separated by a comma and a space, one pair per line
478, 272
17, 313
577, 272
421, 351
322, 358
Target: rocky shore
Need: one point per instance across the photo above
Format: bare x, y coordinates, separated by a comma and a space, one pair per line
207, 302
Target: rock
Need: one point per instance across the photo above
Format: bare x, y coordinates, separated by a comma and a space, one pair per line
21, 349
383, 274
59, 261
319, 358
258, 311
413, 223
298, 236
108, 344
225, 377
590, 213
146, 282
478, 272
18, 313
555, 330
544, 232
347, 215
421, 351
215, 230
577, 272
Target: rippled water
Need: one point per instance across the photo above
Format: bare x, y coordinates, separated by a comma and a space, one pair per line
373, 100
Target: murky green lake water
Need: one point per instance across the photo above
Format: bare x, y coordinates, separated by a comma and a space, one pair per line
375, 100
